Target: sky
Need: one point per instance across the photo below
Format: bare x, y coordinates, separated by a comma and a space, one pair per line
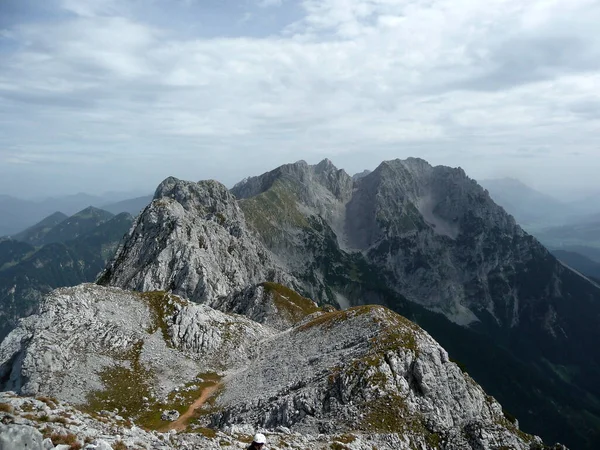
105, 95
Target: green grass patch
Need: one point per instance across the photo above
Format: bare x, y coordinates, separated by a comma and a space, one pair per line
206, 432
51, 402
390, 414
329, 319
124, 387
270, 210
346, 438
247, 438
338, 446
388, 320
509, 422
180, 401
119, 445
289, 303
67, 439
162, 308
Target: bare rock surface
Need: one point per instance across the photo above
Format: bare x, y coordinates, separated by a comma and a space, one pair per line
85, 331
365, 372
191, 240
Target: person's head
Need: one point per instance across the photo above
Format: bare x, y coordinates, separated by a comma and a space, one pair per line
259, 440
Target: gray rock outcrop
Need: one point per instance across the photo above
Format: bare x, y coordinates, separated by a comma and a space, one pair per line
170, 415
365, 370
192, 240
20, 437
85, 334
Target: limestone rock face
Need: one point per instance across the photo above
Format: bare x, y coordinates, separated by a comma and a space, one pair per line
191, 240
270, 304
86, 334
425, 240
434, 233
437, 234
365, 370
19, 437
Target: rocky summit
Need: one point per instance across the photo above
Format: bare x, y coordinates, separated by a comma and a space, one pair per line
269, 307
105, 365
191, 240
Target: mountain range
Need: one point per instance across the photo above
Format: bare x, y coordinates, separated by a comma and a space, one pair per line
531, 208
581, 234
425, 242
18, 214
434, 238
58, 251
582, 264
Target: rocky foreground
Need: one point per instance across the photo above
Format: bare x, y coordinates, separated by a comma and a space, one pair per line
46, 423
106, 367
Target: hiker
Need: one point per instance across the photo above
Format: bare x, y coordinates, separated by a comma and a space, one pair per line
258, 442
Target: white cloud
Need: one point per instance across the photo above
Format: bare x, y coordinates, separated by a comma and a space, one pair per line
269, 3
90, 8
450, 79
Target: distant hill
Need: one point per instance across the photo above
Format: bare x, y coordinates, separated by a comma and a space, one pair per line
12, 252
588, 205
37, 232
586, 234
581, 263
87, 242
132, 206
77, 225
17, 214
589, 252
529, 207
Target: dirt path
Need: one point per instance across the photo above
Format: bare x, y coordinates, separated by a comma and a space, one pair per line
181, 423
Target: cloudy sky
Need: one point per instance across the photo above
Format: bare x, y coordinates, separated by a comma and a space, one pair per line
100, 95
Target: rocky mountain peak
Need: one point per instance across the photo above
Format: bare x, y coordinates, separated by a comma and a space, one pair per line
307, 181
191, 240
92, 210
358, 176
441, 198
325, 166
204, 197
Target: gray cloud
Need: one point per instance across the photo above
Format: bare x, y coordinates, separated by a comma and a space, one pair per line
131, 92
587, 109
528, 60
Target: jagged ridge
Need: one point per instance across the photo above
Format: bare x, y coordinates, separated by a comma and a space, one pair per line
364, 369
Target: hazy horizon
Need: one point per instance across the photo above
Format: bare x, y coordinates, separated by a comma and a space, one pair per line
118, 195
106, 95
